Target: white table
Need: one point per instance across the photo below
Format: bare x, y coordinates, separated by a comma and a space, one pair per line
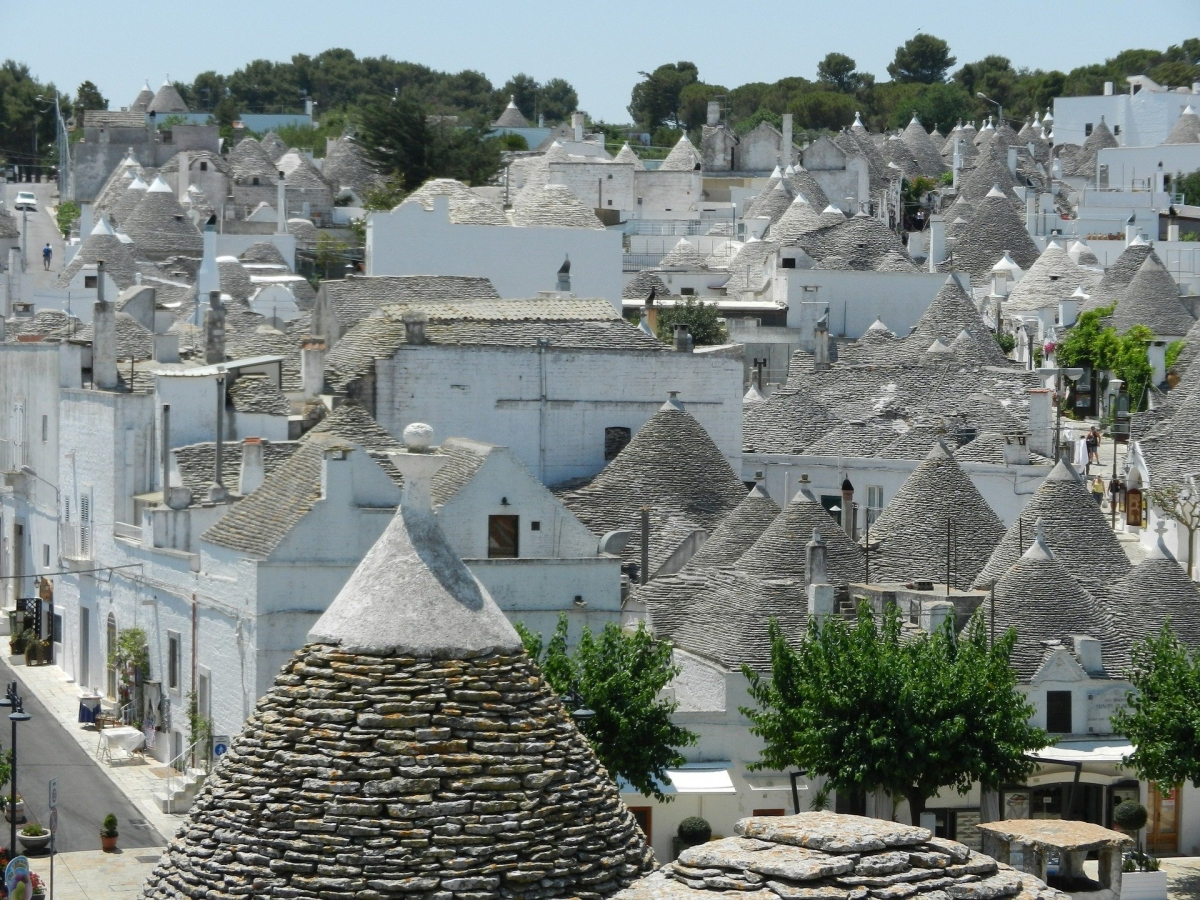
123, 740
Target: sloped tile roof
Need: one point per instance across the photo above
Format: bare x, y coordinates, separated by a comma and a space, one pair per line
642, 283
167, 100
1186, 129
256, 394
991, 169
159, 225
357, 296
1117, 276
684, 157
249, 160
737, 532
346, 165
994, 229
1152, 299
274, 147
1051, 279
801, 181
263, 252
1155, 590
555, 205
788, 422
779, 551
511, 117
684, 255
197, 463
102, 244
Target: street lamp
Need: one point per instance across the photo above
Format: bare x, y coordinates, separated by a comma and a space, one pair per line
1115, 385
60, 138
13, 701
1074, 375
579, 710
999, 106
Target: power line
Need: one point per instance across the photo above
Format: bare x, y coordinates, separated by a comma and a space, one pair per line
74, 572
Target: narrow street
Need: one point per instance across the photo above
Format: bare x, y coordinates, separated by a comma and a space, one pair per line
85, 795
42, 230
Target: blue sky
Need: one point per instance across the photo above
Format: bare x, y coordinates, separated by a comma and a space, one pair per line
598, 47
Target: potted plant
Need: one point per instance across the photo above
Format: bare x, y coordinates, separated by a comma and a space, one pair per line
16, 643
39, 886
1141, 878
34, 837
108, 833
13, 813
692, 831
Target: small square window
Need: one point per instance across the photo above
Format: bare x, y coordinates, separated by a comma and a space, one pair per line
687, 292
788, 262
610, 202
89, 281
1087, 129
535, 526
203, 166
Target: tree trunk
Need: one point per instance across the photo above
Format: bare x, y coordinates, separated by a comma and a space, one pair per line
916, 805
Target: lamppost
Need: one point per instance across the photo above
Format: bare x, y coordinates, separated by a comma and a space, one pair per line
13, 701
1074, 375
999, 106
1115, 385
60, 139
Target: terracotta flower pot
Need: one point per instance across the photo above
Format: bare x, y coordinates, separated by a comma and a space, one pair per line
108, 844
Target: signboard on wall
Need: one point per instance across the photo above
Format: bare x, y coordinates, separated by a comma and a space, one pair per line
1133, 508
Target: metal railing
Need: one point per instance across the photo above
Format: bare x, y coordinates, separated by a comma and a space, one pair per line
127, 531
180, 779
75, 540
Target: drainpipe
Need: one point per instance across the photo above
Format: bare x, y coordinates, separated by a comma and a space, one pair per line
645, 545
542, 344
166, 450
216, 491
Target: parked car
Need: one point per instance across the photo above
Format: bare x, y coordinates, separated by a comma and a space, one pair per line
26, 200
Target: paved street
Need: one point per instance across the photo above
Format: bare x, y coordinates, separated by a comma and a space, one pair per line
85, 795
42, 228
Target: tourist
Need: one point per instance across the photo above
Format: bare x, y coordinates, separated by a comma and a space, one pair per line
1098, 490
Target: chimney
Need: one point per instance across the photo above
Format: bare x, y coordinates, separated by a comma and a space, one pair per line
1068, 311
281, 206
85, 219
217, 493
312, 368
821, 600
682, 339
1108, 89
208, 277
1012, 160
252, 471
564, 277
786, 155
181, 182
166, 347
166, 451
104, 337
414, 326
815, 569
937, 242
1031, 217
214, 330
821, 343
1041, 421
1130, 229
577, 126
1090, 653
957, 161
714, 112
1173, 231
1016, 453
934, 614
848, 522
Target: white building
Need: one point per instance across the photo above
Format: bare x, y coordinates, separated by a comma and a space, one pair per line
1141, 116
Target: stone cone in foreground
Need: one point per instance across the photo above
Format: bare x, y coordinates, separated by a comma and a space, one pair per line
410, 749
826, 856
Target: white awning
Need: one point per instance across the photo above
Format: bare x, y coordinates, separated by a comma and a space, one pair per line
697, 780
1084, 752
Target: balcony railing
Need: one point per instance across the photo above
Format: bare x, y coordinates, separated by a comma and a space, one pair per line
75, 540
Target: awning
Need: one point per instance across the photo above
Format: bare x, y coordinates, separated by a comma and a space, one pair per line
692, 778
1084, 752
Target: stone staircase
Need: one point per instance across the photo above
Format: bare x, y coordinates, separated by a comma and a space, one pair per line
179, 791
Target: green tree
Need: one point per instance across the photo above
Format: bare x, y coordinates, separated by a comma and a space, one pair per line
693, 103
557, 100
619, 675
22, 114
993, 76
865, 708
1189, 186
522, 89
88, 96
703, 321
66, 216
839, 71
655, 100
1162, 720
208, 91
922, 58
1175, 74
824, 109
1088, 343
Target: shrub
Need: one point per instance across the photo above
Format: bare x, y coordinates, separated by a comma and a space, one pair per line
694, 830
109, 828
33, 830
1130, 816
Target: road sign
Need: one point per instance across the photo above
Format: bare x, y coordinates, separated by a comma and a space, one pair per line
220, 745
53, 793
53, 821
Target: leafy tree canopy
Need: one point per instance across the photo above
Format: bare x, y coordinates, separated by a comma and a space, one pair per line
839, 71
864, 708
1163, 718
21, 111
619, 675
922, 58
88, 96
655, 99
703, 321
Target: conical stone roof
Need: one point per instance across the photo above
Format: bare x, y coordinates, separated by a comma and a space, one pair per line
1117, 276
779, 551
274, 146
167, 101
737, 532
896, 152
347, 166
642, 283
672, 466
102, 244
160, 227
555, 205
923, 149
1186, 129
135, 192
991, 170
801, 181
684, 157
465, 206
1153, 591
1074, 528
1045, 605
250, 160
1052, 278
950, 312
626, 155
412, 717
511, 117
141, 103
772, 203
994, 229
684, 255
799, 219
787, 423
912, 531
828, 856
1152, 299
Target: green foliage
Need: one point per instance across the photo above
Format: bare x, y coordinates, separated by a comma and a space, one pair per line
863, 708
1130, 815
556, 99
21, 112
1173, 350
1189, 186
1190, 236
66, 215
109, 827
827, 110
200, 731
1088, 344
5, 768
522, 89
922, 58
88, 96
694, 830
330, 254
33, 829
752, 121
311, 137
1133, 364
131, 655
400, 136
703, 321
1007, 342
1162, 719
946, 179
512, 141
840, 71
655, 99
693, 102
619, 675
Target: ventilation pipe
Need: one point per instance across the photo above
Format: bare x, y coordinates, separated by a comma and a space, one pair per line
848, 522
937, 242
166, 450
1012, 160
821, 343
181, 182
217, 492
577, 126
786, 155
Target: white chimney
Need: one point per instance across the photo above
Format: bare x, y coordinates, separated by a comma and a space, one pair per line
1041, 421
937, 242
786, 155
181, 182
1173, 231
281, 206
714, 112
577, 126
85, 219
312, 368
1016, 451
1130, 230
166, 347
104, 337
1108, 89
1012, 160
208, 277
1031, 217
1090, 653
252, 471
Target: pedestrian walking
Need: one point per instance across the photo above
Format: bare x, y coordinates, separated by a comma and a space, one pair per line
47, 253
1114, 489
1093, 446
1098, 490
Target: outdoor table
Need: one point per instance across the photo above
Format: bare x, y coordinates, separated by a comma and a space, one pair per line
89, 708
123, 740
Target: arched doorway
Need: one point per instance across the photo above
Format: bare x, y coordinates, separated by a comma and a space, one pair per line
110, 646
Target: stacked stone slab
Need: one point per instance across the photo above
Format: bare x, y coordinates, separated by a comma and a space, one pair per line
410, 749
826, 856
